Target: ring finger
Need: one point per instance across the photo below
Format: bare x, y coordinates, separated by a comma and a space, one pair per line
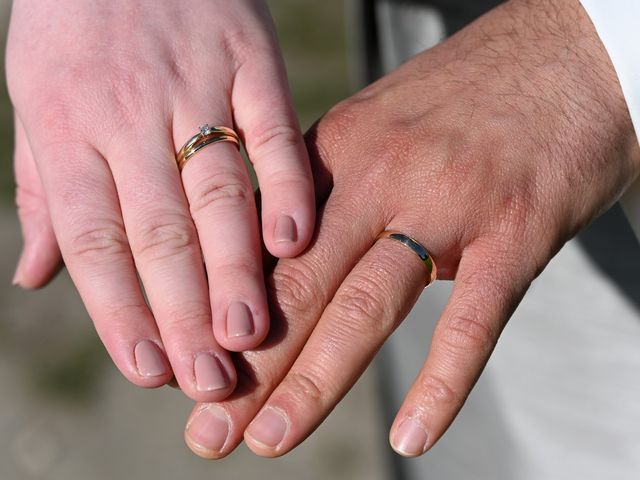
167, 254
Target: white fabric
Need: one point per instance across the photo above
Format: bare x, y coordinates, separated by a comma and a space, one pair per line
617, 23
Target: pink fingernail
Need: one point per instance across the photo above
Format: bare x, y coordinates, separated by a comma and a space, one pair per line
149, 359
285, 229
210, 374
239, 320
410, 439
209, 429
17, 276
269, 428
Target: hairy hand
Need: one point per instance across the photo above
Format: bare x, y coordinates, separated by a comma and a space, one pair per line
492, 150
105, 93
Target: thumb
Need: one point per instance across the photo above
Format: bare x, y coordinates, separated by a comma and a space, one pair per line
40, 259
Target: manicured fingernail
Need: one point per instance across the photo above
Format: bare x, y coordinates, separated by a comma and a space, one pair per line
210, 374
410, 439
209, 429
269, 428
285, 229
239, 320
149, 359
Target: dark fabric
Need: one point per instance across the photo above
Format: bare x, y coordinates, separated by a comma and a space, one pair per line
614, 249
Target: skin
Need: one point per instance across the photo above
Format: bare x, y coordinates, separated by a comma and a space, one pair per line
105, 94
492, 150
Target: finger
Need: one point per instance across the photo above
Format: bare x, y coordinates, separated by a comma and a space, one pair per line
264, 113
377, 294
299, 289
40, 259
487, 289
86, 217
222, 205
166, 250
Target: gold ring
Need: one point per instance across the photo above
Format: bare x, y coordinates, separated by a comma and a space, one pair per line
206, 136
417, 248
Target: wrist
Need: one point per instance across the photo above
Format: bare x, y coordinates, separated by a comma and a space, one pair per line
586, 74
548, 55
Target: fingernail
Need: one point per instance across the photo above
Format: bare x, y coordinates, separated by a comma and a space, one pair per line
149, 359
209, 429
239, 320
210, 374
410, 439
17, 276
285, 229
269, 428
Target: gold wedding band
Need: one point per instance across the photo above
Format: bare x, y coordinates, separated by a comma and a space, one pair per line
206, 136
417, 248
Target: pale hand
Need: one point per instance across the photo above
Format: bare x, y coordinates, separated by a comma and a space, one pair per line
105, 94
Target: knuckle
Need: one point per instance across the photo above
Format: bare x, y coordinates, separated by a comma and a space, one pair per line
162, 239
124, 95
329, 139
99, 242
292, 181
304, 387
182, 320
241, 268
295, 287
60, 125
128, 311
342, 117
359, 304
465, 332
273, 138
436, 392
384, 168
219, 192
110, 97
127, 88
241, 44
503, 276
30, 199
121, 316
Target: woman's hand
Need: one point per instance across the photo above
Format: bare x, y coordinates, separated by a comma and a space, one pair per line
492, 150
105, 93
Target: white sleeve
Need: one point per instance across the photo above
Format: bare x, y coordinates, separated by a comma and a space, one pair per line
617, 22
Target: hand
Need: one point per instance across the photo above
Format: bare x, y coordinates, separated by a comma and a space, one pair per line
492, 150
105, 93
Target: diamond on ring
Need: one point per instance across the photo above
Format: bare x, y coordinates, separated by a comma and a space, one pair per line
205, 130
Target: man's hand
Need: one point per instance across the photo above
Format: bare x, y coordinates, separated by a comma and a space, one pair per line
105, 93
492, 150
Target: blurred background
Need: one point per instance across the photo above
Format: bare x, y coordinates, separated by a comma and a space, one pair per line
66, 413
